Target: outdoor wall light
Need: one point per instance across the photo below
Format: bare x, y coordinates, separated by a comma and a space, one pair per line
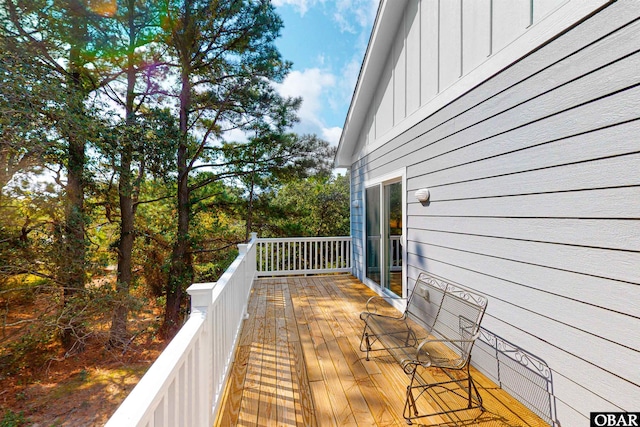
356, 203
422, 195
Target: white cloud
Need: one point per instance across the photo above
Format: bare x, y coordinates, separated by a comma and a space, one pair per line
332, 135
301, 5
354, 15
346, 85
312, 86
326, 91
236, 135
350, 15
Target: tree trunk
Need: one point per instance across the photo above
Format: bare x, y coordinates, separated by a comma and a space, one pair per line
118, 333
181, 269
250, 208
252, 186
73, 259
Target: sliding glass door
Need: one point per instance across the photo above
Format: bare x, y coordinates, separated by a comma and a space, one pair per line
392, 230
384, 216
374, 235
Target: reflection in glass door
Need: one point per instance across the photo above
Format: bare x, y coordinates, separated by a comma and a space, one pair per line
373, 252
383, 234
392, 240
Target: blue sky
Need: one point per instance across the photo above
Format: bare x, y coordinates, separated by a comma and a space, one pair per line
326, 41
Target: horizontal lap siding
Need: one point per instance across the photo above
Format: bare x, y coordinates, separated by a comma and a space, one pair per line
535, 200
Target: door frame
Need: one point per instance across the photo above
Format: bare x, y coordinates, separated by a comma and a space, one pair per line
399, 175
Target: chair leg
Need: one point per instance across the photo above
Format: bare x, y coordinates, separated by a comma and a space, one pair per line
406, 341
471, 387
411, 412
477, 393
364, 339
410, 406
367, 344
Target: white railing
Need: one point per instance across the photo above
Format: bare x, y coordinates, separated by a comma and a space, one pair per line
396, 253
303, 255
395, 250
185, 385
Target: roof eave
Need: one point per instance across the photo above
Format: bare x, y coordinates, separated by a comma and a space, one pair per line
385, 27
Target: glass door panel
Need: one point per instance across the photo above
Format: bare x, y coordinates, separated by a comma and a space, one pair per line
373, 253
392, 237
383, 250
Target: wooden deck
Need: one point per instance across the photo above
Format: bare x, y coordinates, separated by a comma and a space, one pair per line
298, 364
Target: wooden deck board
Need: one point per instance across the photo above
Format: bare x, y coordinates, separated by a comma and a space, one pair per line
302, 388
324, 340
298, 363
301, 309
349, 383
250, 400
286, 404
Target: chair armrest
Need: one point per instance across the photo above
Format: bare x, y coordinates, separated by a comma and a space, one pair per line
426, 341
371, 308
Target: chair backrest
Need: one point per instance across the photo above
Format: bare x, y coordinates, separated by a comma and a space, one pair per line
447, 310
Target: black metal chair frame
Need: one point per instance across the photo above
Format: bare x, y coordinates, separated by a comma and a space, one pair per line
451, 317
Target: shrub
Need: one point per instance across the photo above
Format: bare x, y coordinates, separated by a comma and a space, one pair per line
12, 419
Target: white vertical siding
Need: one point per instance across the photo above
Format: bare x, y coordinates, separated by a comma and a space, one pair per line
510, 19
371, 126
412, 28
440, 41
542, 8
399, 78
534, 195
429, 50
476, 33
384, 115
450, 38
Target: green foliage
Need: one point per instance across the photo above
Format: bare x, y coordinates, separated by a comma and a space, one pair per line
151, 136
314, 207
29, 99
28, 213
22, 289
210, 268
155, 230
31, 349
272, 158
105, 119
215, 231
13, 419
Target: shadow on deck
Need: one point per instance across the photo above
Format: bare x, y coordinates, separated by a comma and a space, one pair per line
298, 363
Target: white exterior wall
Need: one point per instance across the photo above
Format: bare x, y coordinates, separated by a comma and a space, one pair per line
443, 48
534, 173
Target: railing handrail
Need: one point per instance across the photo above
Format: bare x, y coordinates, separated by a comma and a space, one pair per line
139, 404
184, 385
303, 239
